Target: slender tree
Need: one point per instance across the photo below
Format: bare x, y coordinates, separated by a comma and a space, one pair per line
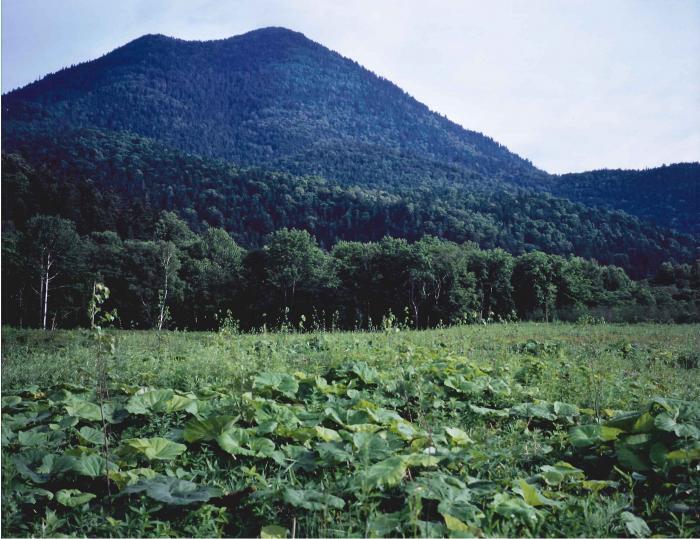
50, 243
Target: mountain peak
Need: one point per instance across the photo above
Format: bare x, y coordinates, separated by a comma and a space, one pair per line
269, 33
269, 97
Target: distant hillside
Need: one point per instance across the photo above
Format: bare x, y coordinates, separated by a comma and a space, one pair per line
272, 98
668, 196
106, 181
269, 129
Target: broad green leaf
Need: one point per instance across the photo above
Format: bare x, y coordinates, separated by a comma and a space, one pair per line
517, 508
298, 434
332, 453
73, 497
588, 435
55, 464
439, 486
458, 436
370, 444
273, 531
679, 456
386, 473
405, 429
455, 525
261, 447
636, 526
356, 417
364, 427
644, 423
383, 524
68, 421
149, 401
421, 459
240, 442
327, 435
312, 499
283, 383
480, 410
28, 469
540, 410
266, 427
532, 496
7, 436
32, 438
91, 436
364, 372
631, 459
180, 402
563, 409
92, 465
197, 430
555, 475
10, 401
154, 448
464, 511
658, 453
129, 477
427, 528
88, 410
668, 423
27, 494
596, 485
173, 491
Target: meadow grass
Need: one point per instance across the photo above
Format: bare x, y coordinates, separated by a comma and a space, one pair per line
608, 365
602, 369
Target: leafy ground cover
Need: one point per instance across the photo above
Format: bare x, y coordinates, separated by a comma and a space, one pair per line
510, 430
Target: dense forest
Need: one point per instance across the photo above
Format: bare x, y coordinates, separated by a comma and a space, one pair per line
268, 180
106, 181
267, 97
274, 99
668, 196
181, 279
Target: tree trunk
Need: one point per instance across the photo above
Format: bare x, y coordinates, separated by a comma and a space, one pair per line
161, 318
47, 280
93, 305
41, 294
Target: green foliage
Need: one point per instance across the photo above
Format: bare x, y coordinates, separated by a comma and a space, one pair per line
73, 497
398, 434
295, 285
172, 490
291, 104
153, 448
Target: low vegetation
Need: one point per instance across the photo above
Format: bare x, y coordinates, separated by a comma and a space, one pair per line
506, 430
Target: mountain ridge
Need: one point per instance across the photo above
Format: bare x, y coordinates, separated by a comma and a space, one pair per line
323, 85
275, 100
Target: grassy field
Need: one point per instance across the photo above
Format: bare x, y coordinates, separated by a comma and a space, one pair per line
505, 430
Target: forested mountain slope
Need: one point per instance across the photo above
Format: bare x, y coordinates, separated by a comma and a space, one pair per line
275, 99
668, 196
167, 124
270, 97
103, 180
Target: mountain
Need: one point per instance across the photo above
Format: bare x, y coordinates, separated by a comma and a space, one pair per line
269, 129
269, 98
103, 180
668, 196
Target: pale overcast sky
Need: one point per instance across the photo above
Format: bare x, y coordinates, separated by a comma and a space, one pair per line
572, 85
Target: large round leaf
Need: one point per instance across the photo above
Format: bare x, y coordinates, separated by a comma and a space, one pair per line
154, 448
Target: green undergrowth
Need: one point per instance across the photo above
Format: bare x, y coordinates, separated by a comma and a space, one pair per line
520, 430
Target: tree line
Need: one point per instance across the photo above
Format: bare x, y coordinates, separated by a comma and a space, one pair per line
183, 279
